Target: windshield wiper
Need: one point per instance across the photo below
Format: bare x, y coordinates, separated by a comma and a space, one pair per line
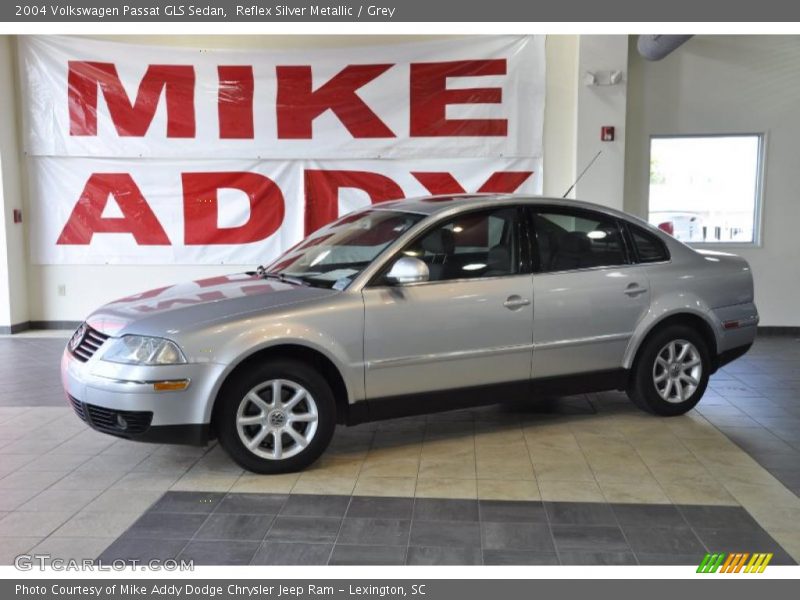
264, 274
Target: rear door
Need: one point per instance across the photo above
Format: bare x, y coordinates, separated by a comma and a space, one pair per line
588, 293
469, 325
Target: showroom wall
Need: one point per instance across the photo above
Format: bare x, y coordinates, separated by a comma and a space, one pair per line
67, 293
730, 84
13, 288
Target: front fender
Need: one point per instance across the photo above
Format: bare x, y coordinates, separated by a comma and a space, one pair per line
335, 330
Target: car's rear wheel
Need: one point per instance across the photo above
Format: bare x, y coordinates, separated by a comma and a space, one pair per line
277, 417
671, 371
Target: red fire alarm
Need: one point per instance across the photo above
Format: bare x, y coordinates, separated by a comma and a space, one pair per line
606, 133
17, 215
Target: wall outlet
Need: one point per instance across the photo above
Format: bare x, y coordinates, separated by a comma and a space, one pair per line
62, 289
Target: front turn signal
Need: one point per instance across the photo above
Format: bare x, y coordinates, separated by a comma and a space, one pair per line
171, 385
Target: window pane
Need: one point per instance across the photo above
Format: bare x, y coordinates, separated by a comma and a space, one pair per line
648, 247
481, 244
567, 241
335, 254
704, 189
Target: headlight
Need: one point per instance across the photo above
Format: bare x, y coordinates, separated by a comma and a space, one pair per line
141, 350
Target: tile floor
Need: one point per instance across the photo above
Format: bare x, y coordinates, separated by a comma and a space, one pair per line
236, 529
70, 491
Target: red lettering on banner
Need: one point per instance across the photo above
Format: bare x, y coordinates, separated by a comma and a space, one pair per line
200, 207
186, 301
87, 215
143, 296
322, 193
176, 82
500, 182
235, 102
430, 97
298, 104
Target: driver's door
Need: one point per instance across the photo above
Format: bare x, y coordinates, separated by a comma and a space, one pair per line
470, 325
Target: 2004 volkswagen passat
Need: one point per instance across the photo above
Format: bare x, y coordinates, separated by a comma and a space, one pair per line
407, 307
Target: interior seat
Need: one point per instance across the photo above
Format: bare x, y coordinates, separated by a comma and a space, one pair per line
439, 246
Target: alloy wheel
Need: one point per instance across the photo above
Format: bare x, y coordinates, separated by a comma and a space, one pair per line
277, 419
677, 371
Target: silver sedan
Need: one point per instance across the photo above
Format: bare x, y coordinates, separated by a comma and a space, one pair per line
411, 307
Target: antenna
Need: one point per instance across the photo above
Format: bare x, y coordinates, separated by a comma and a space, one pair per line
591, 162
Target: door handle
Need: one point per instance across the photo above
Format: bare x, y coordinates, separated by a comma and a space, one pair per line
634, 289
514, 302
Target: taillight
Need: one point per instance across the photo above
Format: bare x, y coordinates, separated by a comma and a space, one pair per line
668, 227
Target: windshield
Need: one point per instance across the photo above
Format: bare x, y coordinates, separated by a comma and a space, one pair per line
332, 256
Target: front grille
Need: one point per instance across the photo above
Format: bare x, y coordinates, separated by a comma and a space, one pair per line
85, 342
108, 420
77, 406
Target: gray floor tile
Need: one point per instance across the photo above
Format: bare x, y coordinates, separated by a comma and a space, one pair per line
512, 511
572, 557
648, 515
517, 536
344, 554
389, 532
219, 553
445, 533
188, 502
166, 525
580, 513
305, 529
301, 505
257, 504
746, 540
663, 540
142, 549
519, 557
380, 508
426, 555
288, 553
718, 517
437, 509
229, 526
588, 537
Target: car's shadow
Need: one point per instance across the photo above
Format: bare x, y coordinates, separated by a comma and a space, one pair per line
591, 410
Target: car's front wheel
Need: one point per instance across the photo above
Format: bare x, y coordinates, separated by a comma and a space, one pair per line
671, 372
277, 417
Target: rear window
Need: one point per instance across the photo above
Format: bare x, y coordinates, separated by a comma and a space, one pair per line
648, 247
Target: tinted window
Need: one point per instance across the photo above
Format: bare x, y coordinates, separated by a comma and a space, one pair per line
568, 240
483, 244
648, 247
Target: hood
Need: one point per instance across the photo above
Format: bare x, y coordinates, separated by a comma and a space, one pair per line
177, 307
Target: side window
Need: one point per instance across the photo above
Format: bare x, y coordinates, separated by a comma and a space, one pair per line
648, 247
567, 240
470, 246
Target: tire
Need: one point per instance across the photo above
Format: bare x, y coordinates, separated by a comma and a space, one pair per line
248, 414
671, 371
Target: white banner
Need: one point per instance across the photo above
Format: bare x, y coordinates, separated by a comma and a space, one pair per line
469, 97
147, 155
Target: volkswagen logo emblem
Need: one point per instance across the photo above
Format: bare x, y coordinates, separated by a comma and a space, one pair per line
77, 337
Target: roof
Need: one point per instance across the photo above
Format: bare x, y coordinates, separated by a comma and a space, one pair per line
429, 205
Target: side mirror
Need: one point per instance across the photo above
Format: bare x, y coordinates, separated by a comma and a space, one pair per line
407, 269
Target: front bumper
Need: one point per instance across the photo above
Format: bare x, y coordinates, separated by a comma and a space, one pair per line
120, 399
